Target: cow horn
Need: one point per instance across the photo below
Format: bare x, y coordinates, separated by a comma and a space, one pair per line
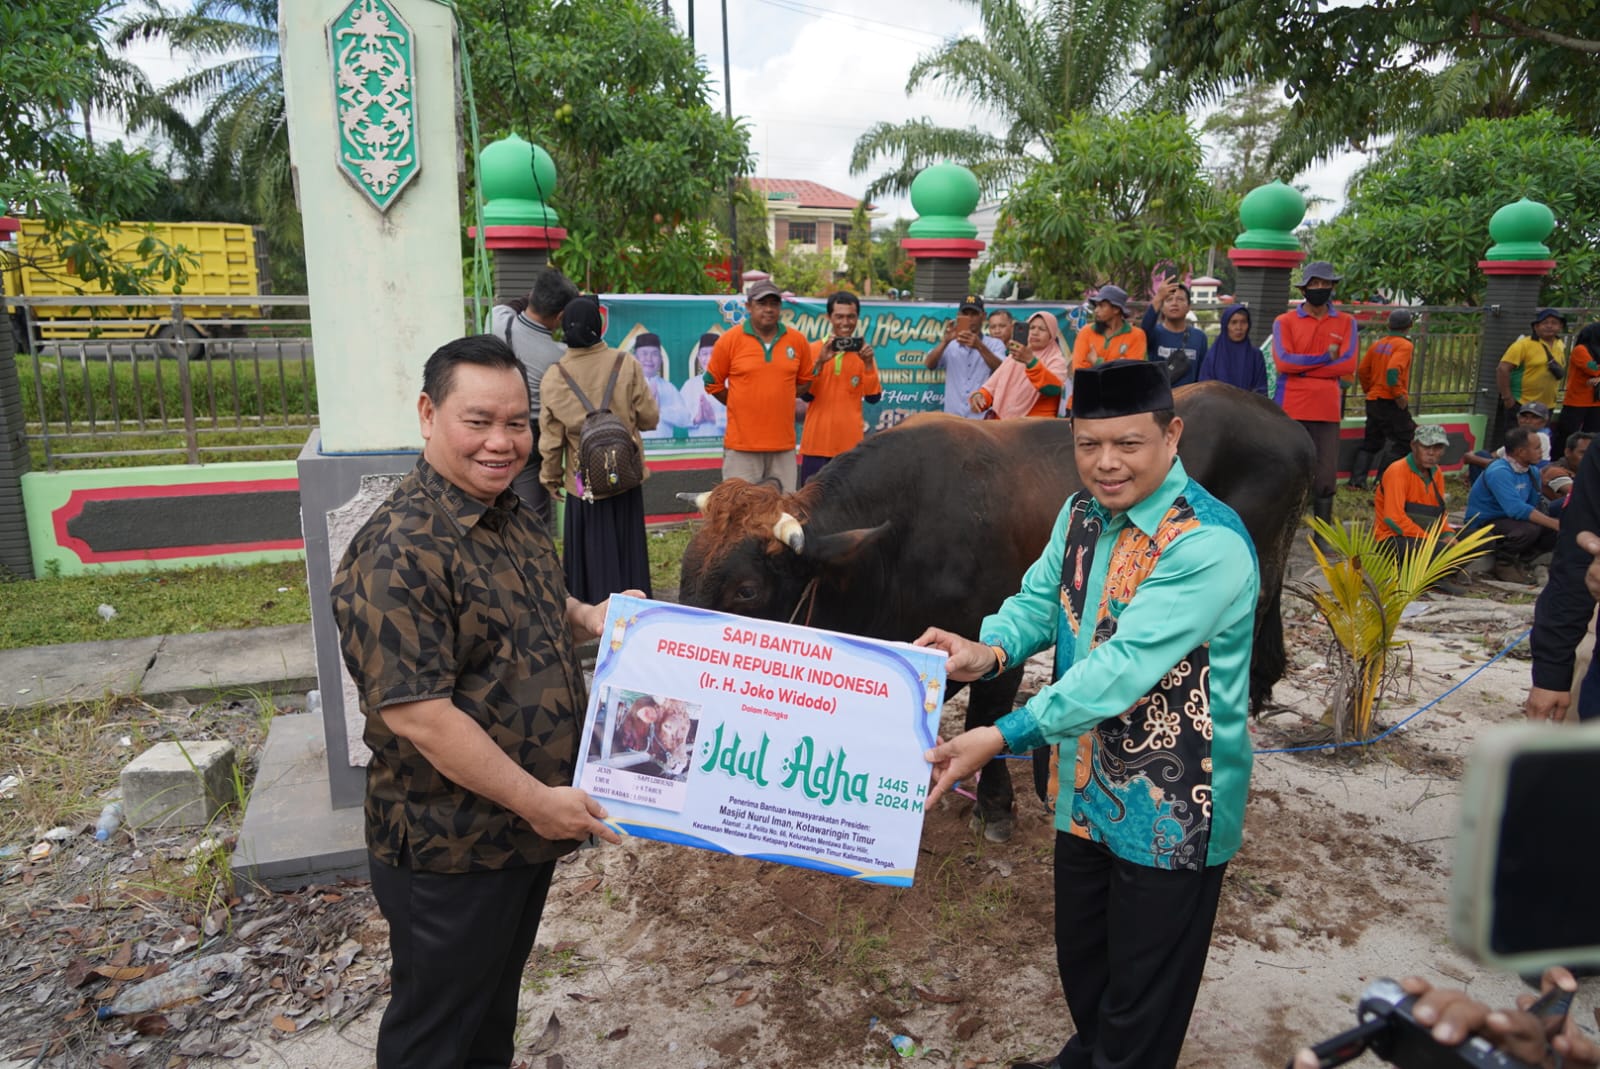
697, 500
789, 531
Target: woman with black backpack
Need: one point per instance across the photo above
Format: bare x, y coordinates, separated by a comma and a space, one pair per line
595, 401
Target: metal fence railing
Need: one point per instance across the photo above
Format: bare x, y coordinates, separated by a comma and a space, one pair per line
116, 380
112, 381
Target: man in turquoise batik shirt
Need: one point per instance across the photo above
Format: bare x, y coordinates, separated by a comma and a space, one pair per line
1147, 590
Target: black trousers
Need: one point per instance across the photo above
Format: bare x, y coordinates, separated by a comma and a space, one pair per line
810, 465
1131, 944
1521, 540
1574, 418
1325, 436
459, 944
1389, 430
603, 546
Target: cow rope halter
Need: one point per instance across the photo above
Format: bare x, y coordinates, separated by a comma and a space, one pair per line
808, 601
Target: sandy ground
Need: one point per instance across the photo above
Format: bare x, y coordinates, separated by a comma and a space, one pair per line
653, 955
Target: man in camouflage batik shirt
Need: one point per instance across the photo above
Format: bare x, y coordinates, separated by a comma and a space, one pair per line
459, 633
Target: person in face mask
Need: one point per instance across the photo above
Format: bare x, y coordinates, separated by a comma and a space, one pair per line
1315, 346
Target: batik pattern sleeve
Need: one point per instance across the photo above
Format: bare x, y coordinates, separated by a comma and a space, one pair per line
1177, 609
396, 624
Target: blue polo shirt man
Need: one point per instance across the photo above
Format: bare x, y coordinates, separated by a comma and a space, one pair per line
967, 356
1506, 497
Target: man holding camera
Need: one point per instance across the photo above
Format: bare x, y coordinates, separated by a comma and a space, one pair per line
843, 375
1453, 1016
967, 357
1171, 337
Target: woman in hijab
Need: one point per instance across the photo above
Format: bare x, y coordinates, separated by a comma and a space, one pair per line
1580, 406
1231, 358
1032, 381
602, 539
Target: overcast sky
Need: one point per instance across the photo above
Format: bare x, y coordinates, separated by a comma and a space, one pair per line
809, 78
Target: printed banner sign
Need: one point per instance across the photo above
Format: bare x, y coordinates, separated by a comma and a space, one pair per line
762, 739
672, 337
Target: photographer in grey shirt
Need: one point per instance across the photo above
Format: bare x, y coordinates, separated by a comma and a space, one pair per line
529, 332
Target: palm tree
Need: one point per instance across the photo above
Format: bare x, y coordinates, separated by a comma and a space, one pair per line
238, 149
1359, 74
1035, 62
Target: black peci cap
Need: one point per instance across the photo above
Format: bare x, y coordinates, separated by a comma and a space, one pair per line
1120, 388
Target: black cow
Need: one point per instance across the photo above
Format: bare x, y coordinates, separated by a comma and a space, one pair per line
934, 523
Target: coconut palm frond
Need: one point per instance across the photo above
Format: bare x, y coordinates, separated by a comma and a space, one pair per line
1368, 588
1033, 63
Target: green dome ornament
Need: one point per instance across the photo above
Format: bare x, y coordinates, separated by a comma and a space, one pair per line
943, 196
1519, 230
1269, 214
516, 179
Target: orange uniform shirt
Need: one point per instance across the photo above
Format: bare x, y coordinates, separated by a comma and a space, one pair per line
1409, 500
833, 422
1386, 368
1091, 348
1583, 378
762, 382
1308, 378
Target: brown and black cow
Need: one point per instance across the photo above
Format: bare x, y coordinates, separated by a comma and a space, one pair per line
934, 522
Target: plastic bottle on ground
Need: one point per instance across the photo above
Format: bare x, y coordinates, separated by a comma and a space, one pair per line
110, 820
190, 980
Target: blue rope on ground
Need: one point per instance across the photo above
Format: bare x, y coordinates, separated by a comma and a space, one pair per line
1509, 646
1513, 644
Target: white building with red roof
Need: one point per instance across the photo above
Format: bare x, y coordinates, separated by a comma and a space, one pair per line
807, 215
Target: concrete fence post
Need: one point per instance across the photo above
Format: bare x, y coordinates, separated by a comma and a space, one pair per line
1266, 254
943, 241
1515, 268
16, 555
519, 227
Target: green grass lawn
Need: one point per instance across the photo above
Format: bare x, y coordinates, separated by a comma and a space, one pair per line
57, 609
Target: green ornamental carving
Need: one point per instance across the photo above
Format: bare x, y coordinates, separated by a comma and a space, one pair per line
375, 99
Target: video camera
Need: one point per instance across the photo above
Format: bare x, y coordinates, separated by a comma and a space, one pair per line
1389, 1030
1522, 892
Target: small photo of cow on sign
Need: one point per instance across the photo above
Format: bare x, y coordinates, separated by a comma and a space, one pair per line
644, 734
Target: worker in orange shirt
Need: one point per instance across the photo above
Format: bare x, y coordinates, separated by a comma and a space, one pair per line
1580, 407
1314, 347
1410, 497
1110, 337
1385, 377
843, 375
758, 370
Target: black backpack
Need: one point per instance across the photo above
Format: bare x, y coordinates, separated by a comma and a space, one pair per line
608, 462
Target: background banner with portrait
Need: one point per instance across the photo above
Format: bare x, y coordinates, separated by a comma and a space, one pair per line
761, 739
676, 329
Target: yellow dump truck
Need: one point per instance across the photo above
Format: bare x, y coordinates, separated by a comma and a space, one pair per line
231, 263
